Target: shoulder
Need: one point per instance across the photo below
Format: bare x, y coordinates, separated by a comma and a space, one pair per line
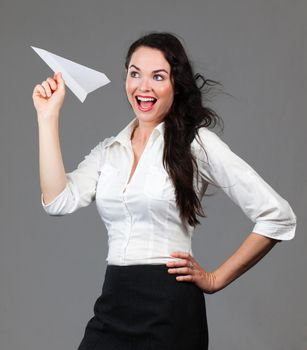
107, 141
100, 147
208, 138
103, 144
207, 142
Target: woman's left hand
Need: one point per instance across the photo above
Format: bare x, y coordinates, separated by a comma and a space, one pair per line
189, 270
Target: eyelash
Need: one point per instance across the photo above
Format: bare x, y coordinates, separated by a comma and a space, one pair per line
156, 75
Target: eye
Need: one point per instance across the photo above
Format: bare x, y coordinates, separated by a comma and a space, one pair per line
159, 76
133, 74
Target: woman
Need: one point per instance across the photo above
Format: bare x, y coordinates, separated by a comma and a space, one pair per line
148, 182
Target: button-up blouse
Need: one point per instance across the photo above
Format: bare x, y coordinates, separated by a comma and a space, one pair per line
141, 217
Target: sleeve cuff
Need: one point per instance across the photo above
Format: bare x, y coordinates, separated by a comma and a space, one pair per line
284, 233
54, 200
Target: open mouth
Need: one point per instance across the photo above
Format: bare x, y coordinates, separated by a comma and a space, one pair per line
145, 103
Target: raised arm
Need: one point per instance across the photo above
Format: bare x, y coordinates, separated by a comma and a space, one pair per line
48, 98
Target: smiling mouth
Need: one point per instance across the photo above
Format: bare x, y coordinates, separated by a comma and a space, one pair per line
145, 103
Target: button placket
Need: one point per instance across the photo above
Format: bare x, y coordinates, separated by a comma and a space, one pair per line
124, 193
148, 145
129, 224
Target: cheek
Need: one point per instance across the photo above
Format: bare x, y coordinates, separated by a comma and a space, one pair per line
167, 94
129, 89
131, 85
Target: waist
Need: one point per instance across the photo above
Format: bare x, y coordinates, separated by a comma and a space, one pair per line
141, 252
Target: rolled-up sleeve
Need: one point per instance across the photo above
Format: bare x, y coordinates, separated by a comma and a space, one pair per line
81, 184
220, 166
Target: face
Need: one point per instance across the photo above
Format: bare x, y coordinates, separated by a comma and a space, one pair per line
149, 85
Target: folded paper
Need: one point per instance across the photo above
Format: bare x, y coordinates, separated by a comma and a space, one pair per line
81, 80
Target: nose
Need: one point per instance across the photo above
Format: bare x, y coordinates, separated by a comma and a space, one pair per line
144, 84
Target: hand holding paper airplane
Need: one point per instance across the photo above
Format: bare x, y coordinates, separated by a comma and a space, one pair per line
80, 79
48, 97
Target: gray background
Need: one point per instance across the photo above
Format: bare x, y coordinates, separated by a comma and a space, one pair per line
52, 269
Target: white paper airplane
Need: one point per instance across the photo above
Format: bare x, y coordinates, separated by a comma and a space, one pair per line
80, 79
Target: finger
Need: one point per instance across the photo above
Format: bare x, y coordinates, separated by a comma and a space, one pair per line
181, 270
181, 254
187, 256
52, 83
39, 91
60, 81
183, 262
188, 278
47, 88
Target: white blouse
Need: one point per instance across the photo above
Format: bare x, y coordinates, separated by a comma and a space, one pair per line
142, 218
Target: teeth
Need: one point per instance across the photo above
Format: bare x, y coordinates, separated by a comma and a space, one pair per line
145, 98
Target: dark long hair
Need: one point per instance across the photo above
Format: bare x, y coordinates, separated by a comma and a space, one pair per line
186, 115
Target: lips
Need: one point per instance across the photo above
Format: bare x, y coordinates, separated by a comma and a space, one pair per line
145, 103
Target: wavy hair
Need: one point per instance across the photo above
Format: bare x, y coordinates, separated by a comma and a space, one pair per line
186, 115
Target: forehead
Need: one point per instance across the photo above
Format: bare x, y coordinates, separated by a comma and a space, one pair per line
147, 58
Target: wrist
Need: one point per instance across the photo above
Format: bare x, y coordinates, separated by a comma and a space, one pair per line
210, 283
219, 281
48, 118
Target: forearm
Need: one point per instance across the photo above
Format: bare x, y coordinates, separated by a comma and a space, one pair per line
52, 172
253, 249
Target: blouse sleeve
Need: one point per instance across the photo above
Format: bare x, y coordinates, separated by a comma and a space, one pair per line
81, 185
220, 166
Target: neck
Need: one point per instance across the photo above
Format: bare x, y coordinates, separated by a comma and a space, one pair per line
142, 132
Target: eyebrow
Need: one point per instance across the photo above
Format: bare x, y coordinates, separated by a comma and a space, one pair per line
154, 71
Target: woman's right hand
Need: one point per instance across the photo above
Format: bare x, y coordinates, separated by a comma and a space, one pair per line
48, 97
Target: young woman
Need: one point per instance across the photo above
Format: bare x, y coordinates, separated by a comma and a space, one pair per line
148, 182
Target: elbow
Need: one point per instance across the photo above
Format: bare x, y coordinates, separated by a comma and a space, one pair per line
281, 227
287, 222
60, 205
292, 227
290, 224
53, 213
58, 209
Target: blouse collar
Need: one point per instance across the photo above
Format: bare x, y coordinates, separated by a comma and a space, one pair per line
123, 137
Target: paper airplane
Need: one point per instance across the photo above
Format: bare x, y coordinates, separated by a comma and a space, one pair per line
80, 79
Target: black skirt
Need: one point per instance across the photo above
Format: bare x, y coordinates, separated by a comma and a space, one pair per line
143, 307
